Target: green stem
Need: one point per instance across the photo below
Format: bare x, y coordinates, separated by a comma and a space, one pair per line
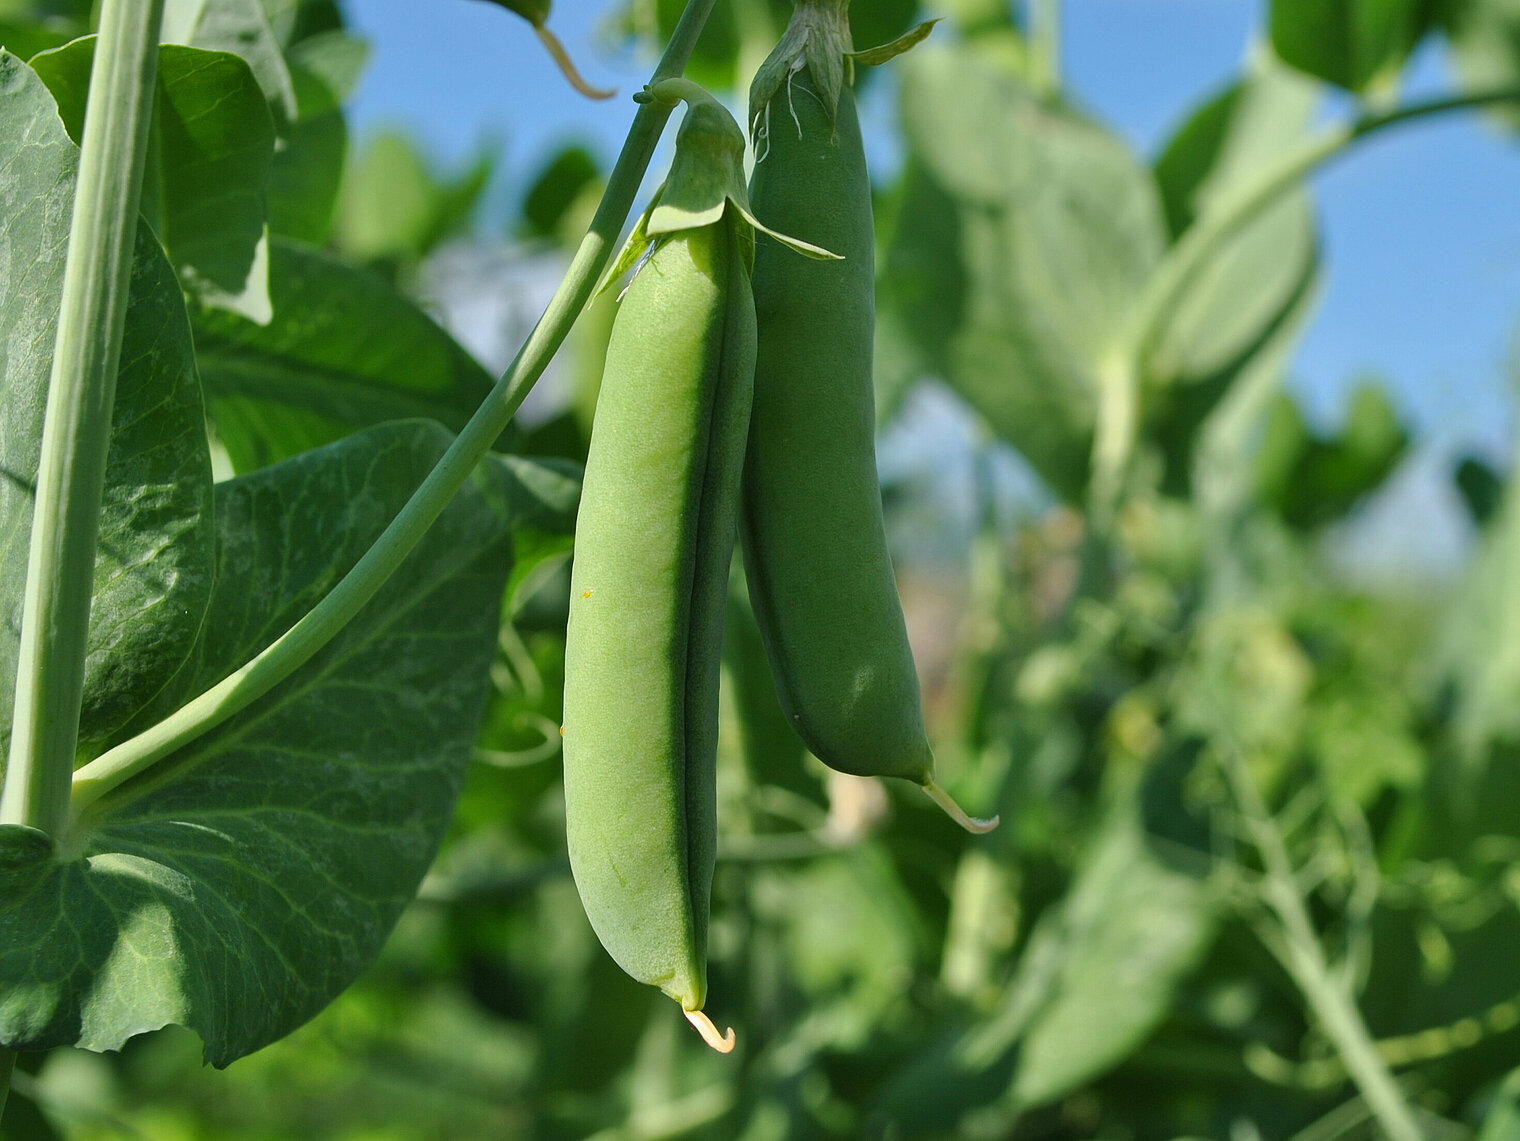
76, 433
1304, 958
296, 646
1166, 287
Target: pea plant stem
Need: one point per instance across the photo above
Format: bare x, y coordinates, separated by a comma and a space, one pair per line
7, 1064
297, 645
1045, 46
76, 432
1124, 366
1303, 957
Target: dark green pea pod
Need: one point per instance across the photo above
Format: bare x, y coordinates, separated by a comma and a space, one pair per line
815, 549
654, 540
536, 12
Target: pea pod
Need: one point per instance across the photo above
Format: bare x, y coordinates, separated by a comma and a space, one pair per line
654, 539
814, 540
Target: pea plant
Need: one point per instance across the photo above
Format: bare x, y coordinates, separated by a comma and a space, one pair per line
317, 749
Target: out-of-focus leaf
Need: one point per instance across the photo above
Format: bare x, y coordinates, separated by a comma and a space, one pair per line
307, 173
1363, 741
1094, 980
848, 932
1479, 653
555, 190
1502, 1122
1133, 930
24, 39
1231, 332
1485, 43
1350, 43
1481, 488
209, 171
1242, 291
344, 350
293, 21
1244, 682
1024, 236
394, 208
1311, 480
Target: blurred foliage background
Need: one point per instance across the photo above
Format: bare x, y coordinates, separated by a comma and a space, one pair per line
1259, 865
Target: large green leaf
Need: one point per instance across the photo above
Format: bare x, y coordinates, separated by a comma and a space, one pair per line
308, 170
1131, 930
1095, 978
153, 563
1243, 290
1023, 239
395, 207
241, 883
343, 350
1238, 319
1349, 43
208, 173
242, 27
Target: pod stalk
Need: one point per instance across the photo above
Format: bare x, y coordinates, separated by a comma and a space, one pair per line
723, 1043
973, 824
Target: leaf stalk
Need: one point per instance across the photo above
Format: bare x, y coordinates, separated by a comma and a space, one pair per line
1167, 285
1303, 957
76, 434
315, 629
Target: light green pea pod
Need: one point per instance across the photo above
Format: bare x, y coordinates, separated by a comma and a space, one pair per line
653, 543
815, 547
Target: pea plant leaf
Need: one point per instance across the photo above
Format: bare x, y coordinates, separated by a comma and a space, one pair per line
153, 564
1256, 274
206, 191
1242, 311
307, 173
244, 28
240, 884
1024, 235
1131, 930
395, 208
1478, 654
342, 350
1350, 43
1110, 954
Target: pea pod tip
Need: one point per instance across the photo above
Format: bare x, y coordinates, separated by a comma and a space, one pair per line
723, 1043
956, 812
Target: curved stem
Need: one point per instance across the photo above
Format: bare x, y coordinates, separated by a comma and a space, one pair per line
76, 432
1165, 289
1304, 958
297, 645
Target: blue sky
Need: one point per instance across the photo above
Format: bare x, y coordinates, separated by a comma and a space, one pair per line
1420, 226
